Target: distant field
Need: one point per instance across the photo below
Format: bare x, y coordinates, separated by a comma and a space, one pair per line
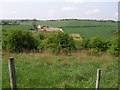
87, 29
51, 71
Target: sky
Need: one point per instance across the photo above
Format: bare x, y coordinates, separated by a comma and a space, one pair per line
59, 9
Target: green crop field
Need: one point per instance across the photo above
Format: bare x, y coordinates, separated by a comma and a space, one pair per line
51, 71
87, 29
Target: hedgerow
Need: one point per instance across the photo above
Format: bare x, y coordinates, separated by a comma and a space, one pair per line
56, 42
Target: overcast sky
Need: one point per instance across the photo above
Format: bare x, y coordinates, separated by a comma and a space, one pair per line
58, 9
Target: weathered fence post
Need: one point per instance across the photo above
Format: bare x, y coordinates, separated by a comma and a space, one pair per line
12, 73
98, 79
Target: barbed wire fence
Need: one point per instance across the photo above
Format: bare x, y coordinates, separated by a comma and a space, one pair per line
40, 64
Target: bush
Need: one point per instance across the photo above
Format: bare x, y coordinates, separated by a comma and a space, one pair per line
18, 41
99, 44
43, 41
84, 44
4, 39
41, 35
58, 42
115, 47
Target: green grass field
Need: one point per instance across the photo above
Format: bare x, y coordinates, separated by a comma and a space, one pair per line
87, 29
75, 71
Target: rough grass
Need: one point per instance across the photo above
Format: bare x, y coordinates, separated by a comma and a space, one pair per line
44, 70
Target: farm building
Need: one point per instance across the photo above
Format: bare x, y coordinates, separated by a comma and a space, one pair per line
41, 28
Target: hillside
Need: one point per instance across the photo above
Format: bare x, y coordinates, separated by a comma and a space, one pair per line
87, 29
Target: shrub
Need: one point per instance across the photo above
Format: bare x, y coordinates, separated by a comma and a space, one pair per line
99, 44
43, 41
41, 35
115, 47
58, 42
4, 39
84, 44
18, 41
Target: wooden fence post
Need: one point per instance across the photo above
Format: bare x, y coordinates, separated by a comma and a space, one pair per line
12, 73
98, 79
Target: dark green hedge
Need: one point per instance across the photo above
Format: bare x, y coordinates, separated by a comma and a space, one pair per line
56, 42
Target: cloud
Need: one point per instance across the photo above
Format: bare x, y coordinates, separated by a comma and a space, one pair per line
13, 12
8, 12
115, 14
81, 1
51, 12
12, 0
23, 0
69, 8
76, 1
70, 1
95, 11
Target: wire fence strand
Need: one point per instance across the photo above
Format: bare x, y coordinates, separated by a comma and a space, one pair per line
62, 68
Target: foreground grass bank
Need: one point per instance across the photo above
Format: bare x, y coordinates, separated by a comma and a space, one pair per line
50, 71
